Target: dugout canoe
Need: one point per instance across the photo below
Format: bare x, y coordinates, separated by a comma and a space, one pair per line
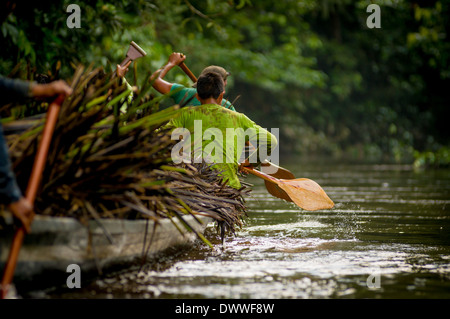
57, 242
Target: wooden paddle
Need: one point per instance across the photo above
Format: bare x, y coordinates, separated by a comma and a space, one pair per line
32, 188
188, 72
304, 192
278, 172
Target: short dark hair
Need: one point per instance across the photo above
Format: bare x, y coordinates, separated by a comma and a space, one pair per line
210, 84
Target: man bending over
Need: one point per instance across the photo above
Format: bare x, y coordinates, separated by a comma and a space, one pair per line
217, 134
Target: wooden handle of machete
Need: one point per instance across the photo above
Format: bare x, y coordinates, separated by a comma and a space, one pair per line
188, 72
32, 188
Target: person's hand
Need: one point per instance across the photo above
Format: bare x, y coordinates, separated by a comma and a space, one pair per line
246, 164
176, 58
122, 70
51, 89
22, 210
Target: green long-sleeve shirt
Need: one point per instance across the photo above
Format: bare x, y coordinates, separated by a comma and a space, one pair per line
219, 136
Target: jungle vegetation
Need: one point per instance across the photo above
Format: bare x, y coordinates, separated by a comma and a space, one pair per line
335, 87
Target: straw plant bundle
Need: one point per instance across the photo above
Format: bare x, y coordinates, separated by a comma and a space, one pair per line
110, 158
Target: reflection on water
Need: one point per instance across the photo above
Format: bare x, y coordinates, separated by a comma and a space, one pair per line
389, 224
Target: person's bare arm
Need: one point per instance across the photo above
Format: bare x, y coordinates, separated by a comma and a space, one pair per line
20, 207
50, 89
161, 85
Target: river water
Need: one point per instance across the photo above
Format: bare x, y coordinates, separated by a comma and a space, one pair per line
388, 236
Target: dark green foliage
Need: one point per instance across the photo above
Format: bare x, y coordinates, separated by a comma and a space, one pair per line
312, 68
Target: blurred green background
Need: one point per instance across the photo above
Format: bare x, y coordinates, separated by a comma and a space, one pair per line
335, 88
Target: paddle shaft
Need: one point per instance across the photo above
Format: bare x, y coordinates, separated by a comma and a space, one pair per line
32, 188
188, 72
279, 172
271, 184
260, 175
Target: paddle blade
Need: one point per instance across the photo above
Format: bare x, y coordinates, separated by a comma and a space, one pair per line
274, 190
306, 193
276, 171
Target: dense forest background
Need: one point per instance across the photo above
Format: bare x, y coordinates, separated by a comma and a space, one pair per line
335, 87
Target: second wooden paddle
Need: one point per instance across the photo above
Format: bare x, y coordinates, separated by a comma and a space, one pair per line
304, 192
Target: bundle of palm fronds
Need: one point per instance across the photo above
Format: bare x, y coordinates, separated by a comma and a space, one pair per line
111, 158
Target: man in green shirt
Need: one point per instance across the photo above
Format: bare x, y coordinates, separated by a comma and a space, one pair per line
217, 134
180, 93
